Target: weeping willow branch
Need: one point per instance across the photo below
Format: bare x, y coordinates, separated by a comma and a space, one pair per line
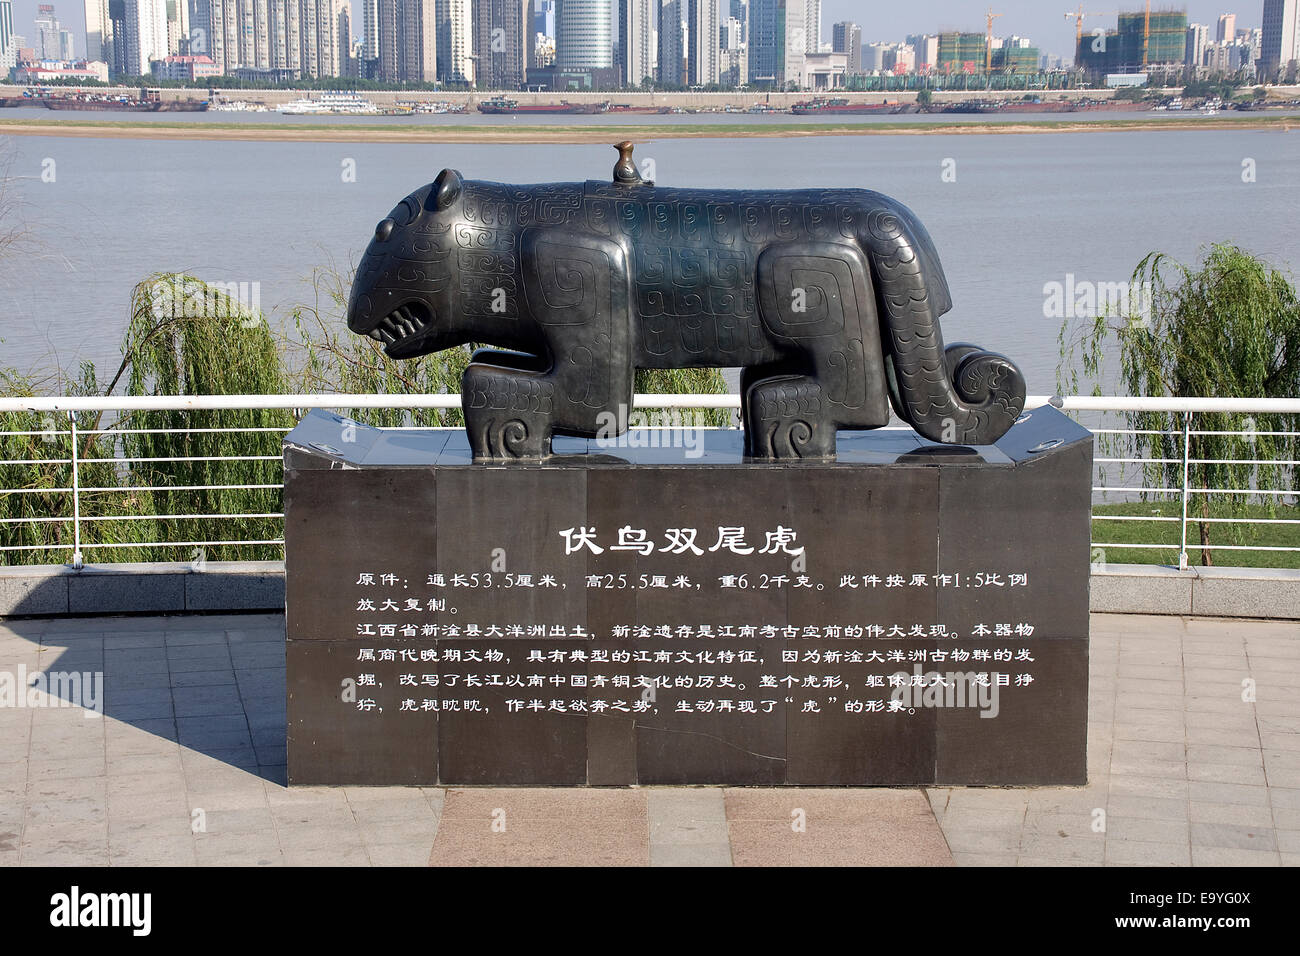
1229, 328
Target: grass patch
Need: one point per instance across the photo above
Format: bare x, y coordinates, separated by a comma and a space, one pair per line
1154, 531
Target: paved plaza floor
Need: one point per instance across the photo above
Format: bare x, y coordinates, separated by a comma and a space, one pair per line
1194, 759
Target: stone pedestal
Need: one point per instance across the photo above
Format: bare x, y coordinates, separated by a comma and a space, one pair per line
662, 612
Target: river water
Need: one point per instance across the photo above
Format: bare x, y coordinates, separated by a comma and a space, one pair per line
1010, 214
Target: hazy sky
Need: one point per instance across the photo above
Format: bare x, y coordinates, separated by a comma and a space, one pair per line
1043, 21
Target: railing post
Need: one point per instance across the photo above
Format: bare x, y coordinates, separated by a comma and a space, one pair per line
78, 561
1187, 446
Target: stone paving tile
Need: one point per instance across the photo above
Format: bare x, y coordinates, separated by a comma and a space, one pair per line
1126, 806
687, 825
1234, 814
1185, 770
1133, 853
238, 850
815, 827
1223, 856
1237, 837
1285, 818
1135, 830
542, 827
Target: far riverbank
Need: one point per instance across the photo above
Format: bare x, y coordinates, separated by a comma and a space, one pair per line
603, 133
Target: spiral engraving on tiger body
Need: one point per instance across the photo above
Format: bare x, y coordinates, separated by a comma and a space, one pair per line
789, 420
983, 399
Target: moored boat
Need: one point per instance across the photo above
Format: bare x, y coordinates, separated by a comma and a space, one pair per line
504, 105
840, 106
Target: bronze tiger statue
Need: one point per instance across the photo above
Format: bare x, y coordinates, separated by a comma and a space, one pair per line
828, 299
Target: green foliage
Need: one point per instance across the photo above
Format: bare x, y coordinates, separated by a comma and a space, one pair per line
326, 357
187, 337
684, 381
1230, 329
149, 484
1223, 87
37, 505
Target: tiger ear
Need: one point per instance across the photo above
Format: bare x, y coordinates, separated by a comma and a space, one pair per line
446, 190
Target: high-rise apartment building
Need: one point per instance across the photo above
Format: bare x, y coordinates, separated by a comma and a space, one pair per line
456, 41
178, 27
735, 53
672, 56
846, 37
1227, 28
1198, 37
584, 34
777, 42
637, 28
51, 41
99, 31
704, 48
279, 37
8, 52
739, 9
418, 41
146, 34
1281, 38
369, 10
501, 32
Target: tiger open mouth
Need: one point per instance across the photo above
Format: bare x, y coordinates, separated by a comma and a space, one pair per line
402, 325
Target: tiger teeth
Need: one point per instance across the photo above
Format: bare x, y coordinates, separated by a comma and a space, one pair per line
401, 323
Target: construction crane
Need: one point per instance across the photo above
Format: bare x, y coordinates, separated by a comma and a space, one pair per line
1146, 36
988, 42
1079, 16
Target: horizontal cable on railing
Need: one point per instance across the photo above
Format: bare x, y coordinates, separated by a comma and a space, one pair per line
1186, 408
1152, 461
1097, 517
177, 431
173, 517
179, 487
90, 546
111, 461
1145, 491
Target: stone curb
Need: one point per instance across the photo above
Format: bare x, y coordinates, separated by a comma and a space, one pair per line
142, 588
1267, 593
54, 590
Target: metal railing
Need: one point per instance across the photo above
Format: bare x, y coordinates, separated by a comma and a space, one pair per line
79, 439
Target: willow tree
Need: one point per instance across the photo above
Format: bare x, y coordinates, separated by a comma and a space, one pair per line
1228, 329
324, 356
189, 337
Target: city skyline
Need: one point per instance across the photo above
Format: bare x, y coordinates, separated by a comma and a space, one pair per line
587, 34
1043, 23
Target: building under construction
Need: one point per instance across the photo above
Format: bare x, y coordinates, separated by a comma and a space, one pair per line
1133, 47
962, 53
1015, 59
